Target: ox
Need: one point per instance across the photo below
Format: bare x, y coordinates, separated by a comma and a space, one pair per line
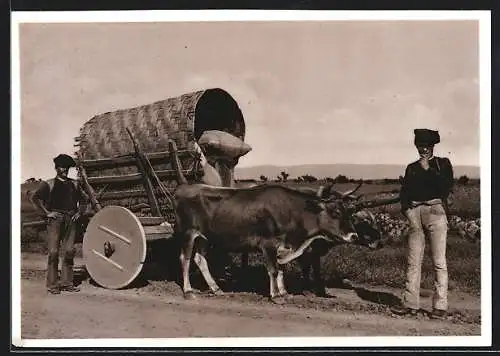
281, 222
365, 226
278, 221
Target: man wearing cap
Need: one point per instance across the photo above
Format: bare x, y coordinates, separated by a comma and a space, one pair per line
424, 192
60, 201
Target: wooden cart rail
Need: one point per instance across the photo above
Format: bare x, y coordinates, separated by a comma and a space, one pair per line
129, 159
144, 220
137, 177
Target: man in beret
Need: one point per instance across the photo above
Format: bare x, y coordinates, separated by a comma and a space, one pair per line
60, 200
424, 192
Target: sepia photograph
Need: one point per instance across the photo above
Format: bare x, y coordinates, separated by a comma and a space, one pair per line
251, 178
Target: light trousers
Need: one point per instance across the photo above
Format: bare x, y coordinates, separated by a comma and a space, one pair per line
426, 221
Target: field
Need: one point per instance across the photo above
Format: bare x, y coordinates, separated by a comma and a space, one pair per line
383, 267
464, 201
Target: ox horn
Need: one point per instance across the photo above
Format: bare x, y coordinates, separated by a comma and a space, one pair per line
324, 190
350, 192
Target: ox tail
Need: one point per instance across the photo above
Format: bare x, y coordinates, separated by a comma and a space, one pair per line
176, 163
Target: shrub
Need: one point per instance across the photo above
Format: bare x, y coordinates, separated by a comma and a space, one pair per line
309, 178
463, 180
341, 179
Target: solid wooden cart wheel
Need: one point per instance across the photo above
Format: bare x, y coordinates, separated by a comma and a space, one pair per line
114, 247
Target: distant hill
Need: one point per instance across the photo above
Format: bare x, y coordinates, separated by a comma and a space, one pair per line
355, 171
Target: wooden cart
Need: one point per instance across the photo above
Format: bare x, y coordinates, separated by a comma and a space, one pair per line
116, 238
125, 164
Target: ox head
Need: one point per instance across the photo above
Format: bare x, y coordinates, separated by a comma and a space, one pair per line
344, 216
333, 214
367, 229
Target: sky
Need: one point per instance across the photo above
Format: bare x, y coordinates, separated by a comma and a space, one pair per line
310, 92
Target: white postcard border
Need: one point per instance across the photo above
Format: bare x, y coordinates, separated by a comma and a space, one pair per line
484, 18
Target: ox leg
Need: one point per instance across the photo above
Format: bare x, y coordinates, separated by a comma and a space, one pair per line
270, 255
305, 265
185, 259
319, 282
280, 280
244, 260
202, 264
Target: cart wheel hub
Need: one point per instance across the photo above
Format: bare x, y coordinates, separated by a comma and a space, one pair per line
109, 249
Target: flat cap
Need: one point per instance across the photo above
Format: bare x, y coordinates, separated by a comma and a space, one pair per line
65, 161
426, 137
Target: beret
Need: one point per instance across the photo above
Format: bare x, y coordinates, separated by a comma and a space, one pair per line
426, 137
64, 160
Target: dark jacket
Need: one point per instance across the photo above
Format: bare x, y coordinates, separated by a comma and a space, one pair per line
43, 196
420, 185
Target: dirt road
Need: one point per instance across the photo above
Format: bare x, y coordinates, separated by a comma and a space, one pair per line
158, 310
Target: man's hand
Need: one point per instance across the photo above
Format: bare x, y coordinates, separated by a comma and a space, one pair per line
75, 217
53, 215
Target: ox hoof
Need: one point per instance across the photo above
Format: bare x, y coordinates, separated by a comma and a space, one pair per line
278, 300
322, 294
308, 294
218, 292
286, 296
347, 283
189, 295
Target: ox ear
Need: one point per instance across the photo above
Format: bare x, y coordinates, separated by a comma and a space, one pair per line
315, 206
328, 189
325, 190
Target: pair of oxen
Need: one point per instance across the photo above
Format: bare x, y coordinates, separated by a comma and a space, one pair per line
280, 222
